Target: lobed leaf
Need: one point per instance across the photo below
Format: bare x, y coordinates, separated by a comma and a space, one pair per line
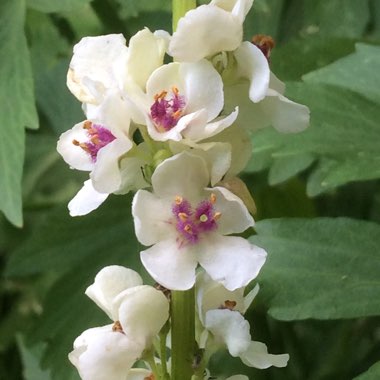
18, 106
320, 268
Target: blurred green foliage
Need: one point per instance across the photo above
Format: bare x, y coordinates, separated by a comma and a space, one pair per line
321, 282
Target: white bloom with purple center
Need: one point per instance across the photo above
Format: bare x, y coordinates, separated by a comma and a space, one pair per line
138, 311
199, 35
97, 146
221, 313
184, 101
185, 221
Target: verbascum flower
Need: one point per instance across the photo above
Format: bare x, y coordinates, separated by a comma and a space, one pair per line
215, 31
185, 222
184, 100
138, 313
96, 145
221, 313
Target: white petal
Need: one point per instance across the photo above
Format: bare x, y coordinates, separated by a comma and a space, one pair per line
234, 217
151, 217
231, 260
106, 176
86, 200
253, 65
183, 174
146, 53
164, 78
231, 328
102, 354
74, 155
257, 356
238, 8
203, 88
109, 283
170, 265
201, 132
143, 311
198, 34
96, 63
286, 116
216, 154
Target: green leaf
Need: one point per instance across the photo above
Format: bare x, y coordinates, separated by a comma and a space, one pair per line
358, 72
372, 374
49, 6
310, 17
58, 242
344, 136
320, 268
18, 106
134, 8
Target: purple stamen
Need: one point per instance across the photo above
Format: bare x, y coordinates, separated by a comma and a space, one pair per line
99, 137
166, 111
191, 224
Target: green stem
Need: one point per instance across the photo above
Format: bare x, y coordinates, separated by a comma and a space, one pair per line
180, 7
183, 334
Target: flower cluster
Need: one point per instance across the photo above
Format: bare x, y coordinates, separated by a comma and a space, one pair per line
178, 134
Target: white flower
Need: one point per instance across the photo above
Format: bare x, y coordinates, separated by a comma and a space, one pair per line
96, 146
104, 63
215, 31
184, 100
185, 222
138, 311
221, 313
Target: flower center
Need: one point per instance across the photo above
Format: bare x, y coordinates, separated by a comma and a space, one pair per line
98, 138
167, 109
230, 305
192, 223
117, 327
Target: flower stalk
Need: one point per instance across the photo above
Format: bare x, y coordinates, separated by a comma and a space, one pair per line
183, 333
180, 7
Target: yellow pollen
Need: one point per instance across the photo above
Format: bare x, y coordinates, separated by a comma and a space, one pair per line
183, 216
150, 377
188, 228
175, 90
161, 95
203, 218
217, 215
212, 198
178, 200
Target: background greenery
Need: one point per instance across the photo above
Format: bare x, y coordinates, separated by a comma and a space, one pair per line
317, 192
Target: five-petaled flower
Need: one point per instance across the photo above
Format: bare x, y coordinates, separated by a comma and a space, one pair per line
186, 221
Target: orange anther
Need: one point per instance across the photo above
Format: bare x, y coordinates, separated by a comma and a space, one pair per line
178, 200
117, 327
87, 124
161, 95
188, 228
183, 216
217, 215
175, 90
212, 198
229, 304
